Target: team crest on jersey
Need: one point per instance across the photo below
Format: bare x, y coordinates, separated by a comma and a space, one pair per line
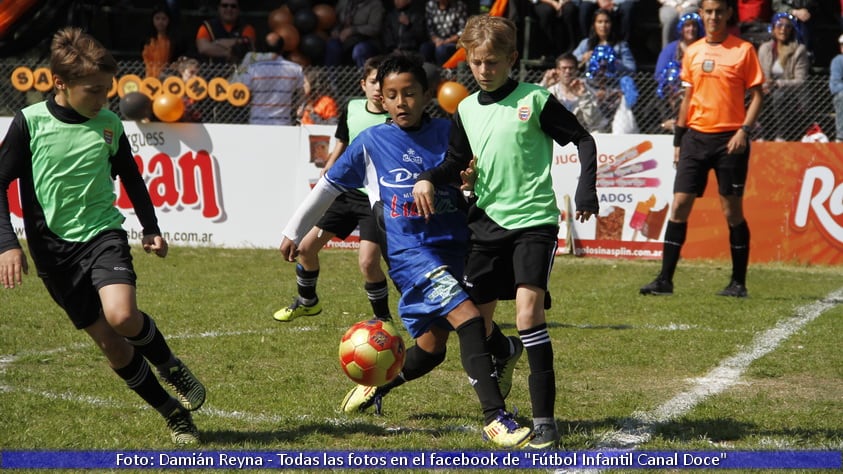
523, 113
708, 65
108, 136
410, 156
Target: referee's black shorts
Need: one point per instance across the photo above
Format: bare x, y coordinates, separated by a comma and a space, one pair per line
350, 209
700, 152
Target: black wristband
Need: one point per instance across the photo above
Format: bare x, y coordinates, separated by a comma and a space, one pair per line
677, 134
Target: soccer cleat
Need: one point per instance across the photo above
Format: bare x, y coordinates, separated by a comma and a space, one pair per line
360, 398
545, 437
506, 367
190, 391
657, 287
296, 310
734, 289
182, 429
505, 432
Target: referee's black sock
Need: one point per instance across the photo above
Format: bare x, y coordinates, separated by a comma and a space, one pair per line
477, 363
674, 238
739, 246
542, 380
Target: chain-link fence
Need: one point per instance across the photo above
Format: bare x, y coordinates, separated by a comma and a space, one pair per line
787, 114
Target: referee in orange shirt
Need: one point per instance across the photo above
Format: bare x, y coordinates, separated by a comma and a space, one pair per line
712, 132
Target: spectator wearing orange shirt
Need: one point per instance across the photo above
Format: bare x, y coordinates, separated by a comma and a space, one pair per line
319, 107
225, 38
162, 45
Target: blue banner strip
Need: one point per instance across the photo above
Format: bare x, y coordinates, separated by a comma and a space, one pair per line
18, 459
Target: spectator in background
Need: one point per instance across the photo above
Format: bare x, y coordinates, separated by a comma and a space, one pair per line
225, 39
669, 14
689, 28
835, 85
804, 11
319, 106
276, 84
445, 22
356, 36
753, 18
558, 26
570, 90
162, 45
404, 28
621, 11
615, 91
187, 68
785, 63
603, 33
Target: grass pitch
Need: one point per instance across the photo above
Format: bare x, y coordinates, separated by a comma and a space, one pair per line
620, 360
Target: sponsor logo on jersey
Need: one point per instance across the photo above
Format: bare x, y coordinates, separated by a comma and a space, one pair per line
399, 178
708, 65
411, 156
108, 135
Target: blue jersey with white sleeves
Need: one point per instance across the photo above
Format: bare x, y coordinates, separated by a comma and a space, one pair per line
386, 160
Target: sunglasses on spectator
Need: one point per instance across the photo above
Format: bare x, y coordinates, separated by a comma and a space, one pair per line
784, 25
229, 5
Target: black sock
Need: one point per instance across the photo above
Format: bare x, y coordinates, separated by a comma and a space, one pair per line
378, 294
674, 238
542, 380
477, 363
141, 380
306, 282
152, 345
417, 363
498, 344
739, 245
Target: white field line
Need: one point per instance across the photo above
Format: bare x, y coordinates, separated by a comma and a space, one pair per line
639, 427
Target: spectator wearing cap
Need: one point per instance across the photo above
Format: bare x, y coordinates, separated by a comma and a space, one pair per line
804, 11
669, 14
835, 85
785, 63
689, 28
614, 89
224, 38
603, 33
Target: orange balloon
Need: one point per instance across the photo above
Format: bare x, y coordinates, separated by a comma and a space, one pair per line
326, 16
168, 107
279, 16
290, 35
450, 95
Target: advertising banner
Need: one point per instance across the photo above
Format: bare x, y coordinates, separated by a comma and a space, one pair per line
237, 185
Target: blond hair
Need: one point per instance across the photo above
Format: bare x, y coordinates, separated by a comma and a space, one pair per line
499, 32
75, 54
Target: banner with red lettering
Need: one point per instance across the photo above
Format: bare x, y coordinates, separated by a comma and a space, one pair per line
237, 185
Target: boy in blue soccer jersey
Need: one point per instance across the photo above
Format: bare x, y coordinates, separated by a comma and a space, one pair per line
65, 151
423, 255
504, 136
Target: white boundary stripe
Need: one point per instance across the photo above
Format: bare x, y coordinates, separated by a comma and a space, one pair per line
640, 427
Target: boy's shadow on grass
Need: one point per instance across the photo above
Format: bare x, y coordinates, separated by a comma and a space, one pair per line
290, 435
684, 431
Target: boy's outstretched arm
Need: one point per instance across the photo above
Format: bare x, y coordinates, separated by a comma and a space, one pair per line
306, 216
14, 156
